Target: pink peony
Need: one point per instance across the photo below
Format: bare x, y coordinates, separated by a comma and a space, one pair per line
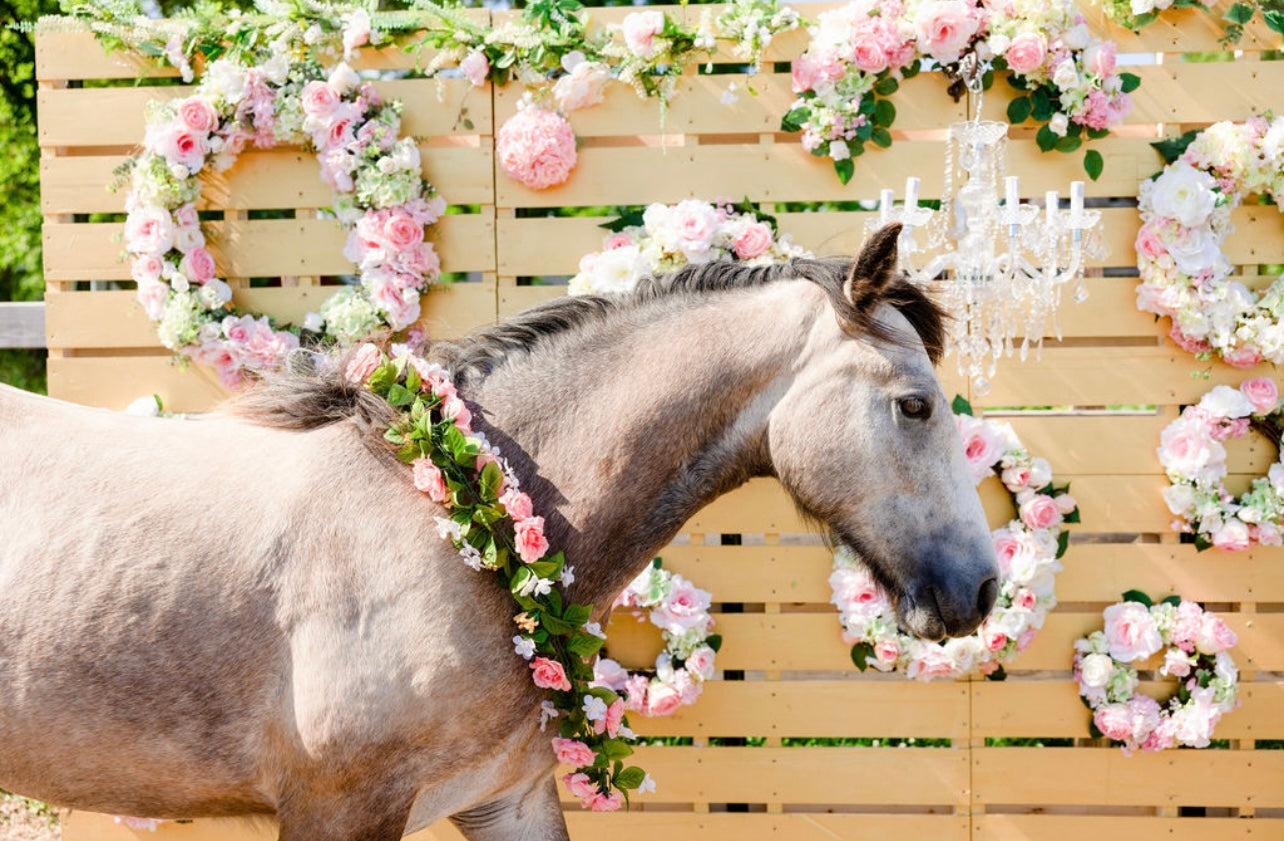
536, 147
187, 217
1131, 632
636, 691
197, 114
662, 699
580, 785
429, 479
149, 230
691, 225
1262, 393
198, 265
1145, 714
685, 608
549, 674
153, 294
1040, 512
929, 662
701, 662
517, 504
1186, 448
945, 28
1114, 721
146, 269
1027, 52
1187, 621
362, 363
1214, 636
640, 29
1233, 536
1164, 736
582, 87
401, 231
529, 536
755, 239
573, 752
475, 67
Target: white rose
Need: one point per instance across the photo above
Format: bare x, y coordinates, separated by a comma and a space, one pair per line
1179, 498
1096, 669
225, 79
618, 270
1197, 250
1077, 37
343, 79
1040, 473
1185, 194
963, 651
839, 151
1141, 7
1059, 124
1066, 76
1226, 402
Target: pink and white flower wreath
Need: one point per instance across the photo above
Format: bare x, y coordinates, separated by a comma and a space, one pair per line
1184, 274
681, 611
1028, 548
1195, 645
380, 196
1192, 455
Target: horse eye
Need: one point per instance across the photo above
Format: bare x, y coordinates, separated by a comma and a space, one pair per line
916, 408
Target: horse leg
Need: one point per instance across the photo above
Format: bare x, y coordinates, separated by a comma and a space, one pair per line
354, 814
529, 814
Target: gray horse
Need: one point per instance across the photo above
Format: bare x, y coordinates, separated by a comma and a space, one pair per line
253, 613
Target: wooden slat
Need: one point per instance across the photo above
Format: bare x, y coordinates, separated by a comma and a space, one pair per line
259, 181
262, 247
1106, 777
432, 108
992, 827
22, 324
113, 319
1050, 709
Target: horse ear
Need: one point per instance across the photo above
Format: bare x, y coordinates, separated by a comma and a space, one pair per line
873, 269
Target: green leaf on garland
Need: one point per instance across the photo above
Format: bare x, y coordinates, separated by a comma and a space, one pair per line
413, 381
1173, 600
382, 378
1017, 82
547, 568
845, 169
1019, 109
793, 121
615, 749
961, 406
1240, 13
556, 626
400, 396
630, 778
520, 577
1202, 543
1046, 138
1093, 164
882, 137
1274, 20
1063, 543
554, 598
884, 112
714, 641
1171, 148
585, 645
910, 71
1041, 105
1138, 597
1072, 517
997, 674
860, 651
489, 481
886, 86
628, 220
1131, 81
1093, 730
1069, 143
577, 614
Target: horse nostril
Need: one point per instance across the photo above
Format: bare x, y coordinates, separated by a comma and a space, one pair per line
985, 599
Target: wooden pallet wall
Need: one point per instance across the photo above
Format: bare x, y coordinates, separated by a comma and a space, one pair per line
791, 678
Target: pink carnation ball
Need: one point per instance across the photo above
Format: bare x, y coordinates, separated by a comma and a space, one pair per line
537, 148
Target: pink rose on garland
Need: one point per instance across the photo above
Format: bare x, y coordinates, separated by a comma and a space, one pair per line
363, 363
428, 478
531, 543
606, 802
475, 67
549, 674
573, 752
582, 87
197, 265
640, 29
1262, 393
536, 147
580, 786
1131, 632
753, 240
1027, 52
197, 114
1040, 511
684, 609
517, 504
662, 699
945, 28
149, 231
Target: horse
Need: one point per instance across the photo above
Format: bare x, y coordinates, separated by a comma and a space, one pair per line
252, 613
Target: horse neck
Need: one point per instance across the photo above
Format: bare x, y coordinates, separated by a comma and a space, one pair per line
621, 430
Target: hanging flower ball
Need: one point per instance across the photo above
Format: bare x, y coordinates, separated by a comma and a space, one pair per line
1195, 646
536, 147
1028, 548
681, 611
1192, 455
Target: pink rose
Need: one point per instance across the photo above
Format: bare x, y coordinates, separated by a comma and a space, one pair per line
1040, 512
1266, 534
529, 536
636, 690
1114, 721
1012, 551
1244, 356
198, 265
869, 54
685, 608
662, 699
197, 114
992, 639
1100, 58
430, 480
619, 240
692, 224
153, 294
573, 752
605, 802
701, 662
1186, 624
1214, 636
455, 408
475, 67
945, 28
1176, 663
1149, 242
1262, 393
517, 504
362, 363
186, 216
146, 269
1025, 599
803, 73
640, 29
1027, 52
580, 785
1233, 536
981, 446
1131, 632
609, 674
753, 240
356, 31
582, 87
401, 231
1162, 737
931, 661
1015, 478
149, 230
549, 674
886, 651
1145, 713
1066, 503
1186, 448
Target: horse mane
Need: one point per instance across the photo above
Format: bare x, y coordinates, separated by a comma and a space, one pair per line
315, 393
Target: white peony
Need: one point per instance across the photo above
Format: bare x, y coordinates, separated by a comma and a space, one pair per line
1096, 669
1226, 402
1185, 194
1196, 250
226, 80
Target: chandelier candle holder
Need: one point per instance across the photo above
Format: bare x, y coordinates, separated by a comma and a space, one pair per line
997, 266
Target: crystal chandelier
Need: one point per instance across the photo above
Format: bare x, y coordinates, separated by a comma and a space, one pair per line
997, 267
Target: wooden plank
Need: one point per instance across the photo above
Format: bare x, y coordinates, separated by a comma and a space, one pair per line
259, 181
785, 172
262, 247
818, 709
113, 382
432, 108
1050, 709
992, 827
22, 324
1070, 776
113, 319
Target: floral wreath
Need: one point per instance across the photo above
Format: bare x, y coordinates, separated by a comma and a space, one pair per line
664, 238
1192, 455
1028, 548
681, 611
859, 52
1136, 14
1186, 213
1194, 642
